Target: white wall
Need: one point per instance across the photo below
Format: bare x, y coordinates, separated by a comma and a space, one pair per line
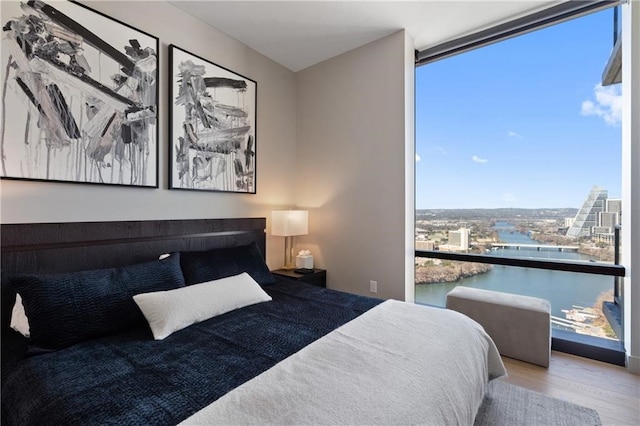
354, 119
336, 138
353, 131
631, 180
410, 169
275, 141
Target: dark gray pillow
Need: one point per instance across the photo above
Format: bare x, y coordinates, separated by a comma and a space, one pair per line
65, 309
202, 266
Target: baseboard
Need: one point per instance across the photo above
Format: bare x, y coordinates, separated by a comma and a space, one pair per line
633, 364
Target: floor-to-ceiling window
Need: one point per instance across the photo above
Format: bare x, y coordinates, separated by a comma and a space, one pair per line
518, 157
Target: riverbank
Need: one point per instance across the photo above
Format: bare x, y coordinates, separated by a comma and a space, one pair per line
437, 271
603, 252
601, 323
588, 320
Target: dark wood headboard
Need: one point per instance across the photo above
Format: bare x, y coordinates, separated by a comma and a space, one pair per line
48, 248
68, 247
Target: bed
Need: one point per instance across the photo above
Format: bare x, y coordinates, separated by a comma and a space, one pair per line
294, 354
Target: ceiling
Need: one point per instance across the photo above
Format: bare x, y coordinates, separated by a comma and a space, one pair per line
298, 34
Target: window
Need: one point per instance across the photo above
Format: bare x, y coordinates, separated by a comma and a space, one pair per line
518, 149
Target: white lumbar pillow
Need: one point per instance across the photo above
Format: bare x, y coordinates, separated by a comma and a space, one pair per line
19, 320
173, 310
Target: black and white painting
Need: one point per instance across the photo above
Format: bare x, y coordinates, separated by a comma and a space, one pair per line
79, 96
213, 126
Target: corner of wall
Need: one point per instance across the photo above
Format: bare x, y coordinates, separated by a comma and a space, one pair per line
631, 180
410, 163
355, 136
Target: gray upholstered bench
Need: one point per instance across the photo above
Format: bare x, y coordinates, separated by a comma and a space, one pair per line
520, 326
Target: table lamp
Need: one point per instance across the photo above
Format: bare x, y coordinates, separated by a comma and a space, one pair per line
288, 224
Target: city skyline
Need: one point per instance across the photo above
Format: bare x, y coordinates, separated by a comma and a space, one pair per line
522, 123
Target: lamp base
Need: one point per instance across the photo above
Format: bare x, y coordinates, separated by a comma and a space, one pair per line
289, 263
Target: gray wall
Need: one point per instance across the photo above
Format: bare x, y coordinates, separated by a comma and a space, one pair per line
355, 133
631, 180
335, 139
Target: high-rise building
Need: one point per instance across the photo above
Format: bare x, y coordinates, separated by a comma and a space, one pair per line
612, 215
587, 216
613, 205
608, 220
459, 239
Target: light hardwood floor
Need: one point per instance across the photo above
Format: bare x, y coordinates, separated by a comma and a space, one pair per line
610, 390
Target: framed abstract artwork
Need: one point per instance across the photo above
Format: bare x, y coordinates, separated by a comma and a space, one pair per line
79, 96
212, 126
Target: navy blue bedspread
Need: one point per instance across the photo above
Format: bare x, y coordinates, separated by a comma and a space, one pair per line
129, 378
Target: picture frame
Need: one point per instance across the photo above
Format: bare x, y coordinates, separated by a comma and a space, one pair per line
81, 95
212, 126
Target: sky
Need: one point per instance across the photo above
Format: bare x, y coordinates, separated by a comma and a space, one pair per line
520, 123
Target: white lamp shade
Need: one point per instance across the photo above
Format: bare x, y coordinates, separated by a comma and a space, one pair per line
287, 223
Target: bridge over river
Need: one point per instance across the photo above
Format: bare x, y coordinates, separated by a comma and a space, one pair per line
538, 247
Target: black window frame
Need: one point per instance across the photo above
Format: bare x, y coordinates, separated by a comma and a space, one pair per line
587, 346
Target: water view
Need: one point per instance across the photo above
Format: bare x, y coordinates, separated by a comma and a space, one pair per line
574, 297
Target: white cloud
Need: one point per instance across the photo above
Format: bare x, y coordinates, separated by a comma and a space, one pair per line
607, 105
418, 157
513, 134
479, 160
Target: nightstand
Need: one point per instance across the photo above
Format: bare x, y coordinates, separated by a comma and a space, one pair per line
318, 277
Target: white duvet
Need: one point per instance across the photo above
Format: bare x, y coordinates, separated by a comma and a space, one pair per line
398, 363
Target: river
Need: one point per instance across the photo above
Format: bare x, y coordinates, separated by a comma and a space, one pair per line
562, 289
